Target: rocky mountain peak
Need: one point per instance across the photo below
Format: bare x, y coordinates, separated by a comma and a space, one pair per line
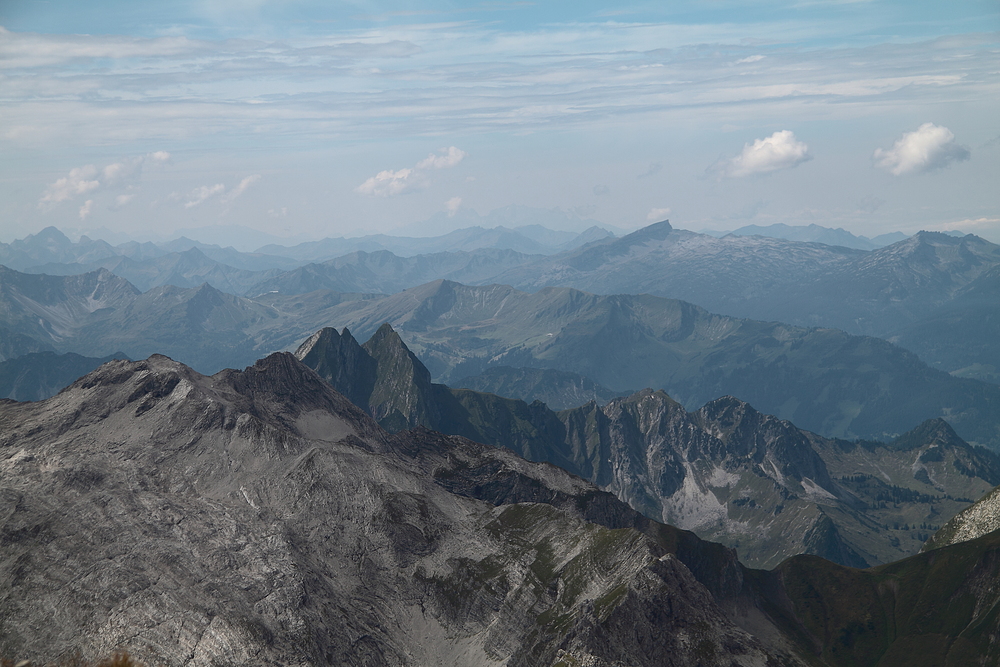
931, 432
395, 357
401, 397
656, 231
726, 415
50, 237
340, 360
232, 522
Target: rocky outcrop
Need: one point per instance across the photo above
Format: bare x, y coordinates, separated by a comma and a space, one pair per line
258, 516
730, 473
341, 361
979, 519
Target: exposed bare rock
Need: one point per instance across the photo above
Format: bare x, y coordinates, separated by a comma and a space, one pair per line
258, 516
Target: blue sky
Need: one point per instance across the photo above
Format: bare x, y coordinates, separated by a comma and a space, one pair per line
308, 119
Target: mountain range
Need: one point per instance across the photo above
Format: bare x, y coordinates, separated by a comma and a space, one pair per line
919, 292
814, 234
896, 292
724, 471
383, 272
530, 239
821, 379
51, 251
258, 516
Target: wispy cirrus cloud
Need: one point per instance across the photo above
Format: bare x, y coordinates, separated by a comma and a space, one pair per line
927, 148
387, 183
404, 79
28, 49
203, 193
240, 188
781, 150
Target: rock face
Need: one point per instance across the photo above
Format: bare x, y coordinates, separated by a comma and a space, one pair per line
980, 518
259, 517
725, 471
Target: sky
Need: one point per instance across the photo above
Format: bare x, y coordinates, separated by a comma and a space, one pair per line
305, 119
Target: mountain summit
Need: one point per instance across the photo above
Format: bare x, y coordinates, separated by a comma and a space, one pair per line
258, 516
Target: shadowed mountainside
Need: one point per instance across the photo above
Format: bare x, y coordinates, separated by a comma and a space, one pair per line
559, 390
38, 375
726, 471
824, 380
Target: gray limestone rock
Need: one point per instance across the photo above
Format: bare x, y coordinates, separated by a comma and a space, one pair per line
259, 517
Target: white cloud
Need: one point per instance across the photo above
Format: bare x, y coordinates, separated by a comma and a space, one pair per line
86, 208
241, 188
449, 157
80, 181
781, 150
387, 183
657, 214
121, 200
21, 49
198, 195
750, 59
452, 205
120, 171
130, 168
927, 148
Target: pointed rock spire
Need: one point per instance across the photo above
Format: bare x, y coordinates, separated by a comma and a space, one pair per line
340, 360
